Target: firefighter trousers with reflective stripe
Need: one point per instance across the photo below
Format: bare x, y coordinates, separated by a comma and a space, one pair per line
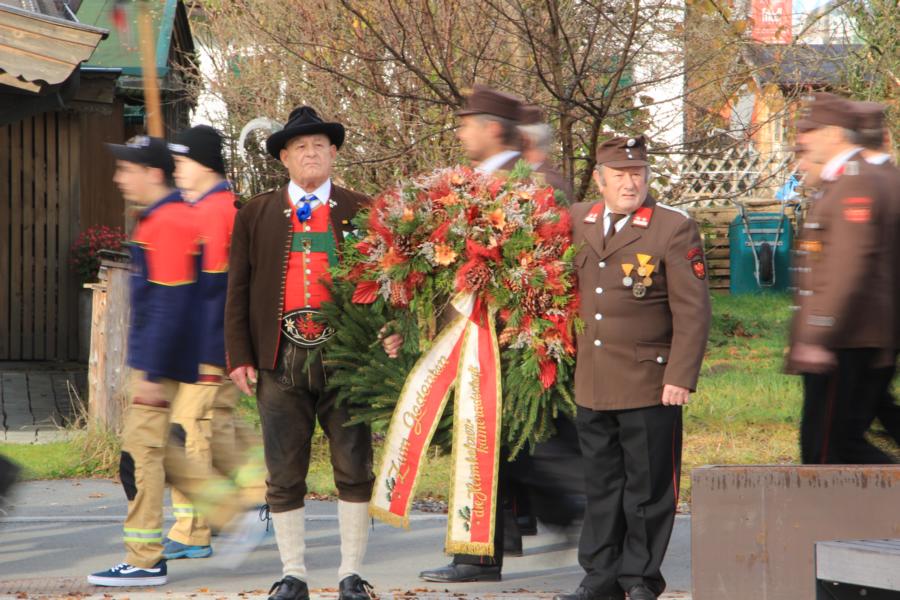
205, 412
149, 459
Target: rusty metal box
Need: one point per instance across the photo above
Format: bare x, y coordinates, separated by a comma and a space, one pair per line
753, 528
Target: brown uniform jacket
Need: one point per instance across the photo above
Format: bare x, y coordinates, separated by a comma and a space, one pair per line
891, 178
631, 347
844, 268
551, 176
260, 249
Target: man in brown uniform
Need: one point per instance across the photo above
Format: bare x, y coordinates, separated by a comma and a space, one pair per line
876, 149
843, 326
645, 303
283, 244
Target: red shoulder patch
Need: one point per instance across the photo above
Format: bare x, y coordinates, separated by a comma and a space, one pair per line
642, 217
699, 268
694, 253
594, 213
858, 210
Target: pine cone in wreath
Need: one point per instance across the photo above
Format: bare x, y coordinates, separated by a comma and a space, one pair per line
478, 276
537, 302
398, 295
405, 246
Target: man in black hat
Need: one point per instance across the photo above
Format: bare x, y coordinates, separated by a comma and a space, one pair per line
284, 242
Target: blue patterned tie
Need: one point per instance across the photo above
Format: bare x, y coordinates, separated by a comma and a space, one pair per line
304, 210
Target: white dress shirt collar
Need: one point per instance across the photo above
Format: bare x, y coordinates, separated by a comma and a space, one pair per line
831, 170
322, 193
878, 159
489, 165
619, 225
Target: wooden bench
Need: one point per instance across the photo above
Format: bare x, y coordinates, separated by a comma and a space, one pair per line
867, 569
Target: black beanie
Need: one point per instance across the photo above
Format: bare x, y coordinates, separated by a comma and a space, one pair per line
202, 144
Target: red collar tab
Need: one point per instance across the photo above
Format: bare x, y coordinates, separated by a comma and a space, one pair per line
642, 217
594, 213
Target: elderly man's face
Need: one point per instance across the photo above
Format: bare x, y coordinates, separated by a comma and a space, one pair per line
309, 158
624, 189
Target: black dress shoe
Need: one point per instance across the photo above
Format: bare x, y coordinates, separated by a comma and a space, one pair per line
527, 525
460, 573
289, 588
583, 593
641, 592
354, 587
512, 537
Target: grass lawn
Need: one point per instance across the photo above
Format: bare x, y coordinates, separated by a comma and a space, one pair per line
746, 411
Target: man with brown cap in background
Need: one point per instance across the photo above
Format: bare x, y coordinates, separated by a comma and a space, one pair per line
490, 136
537, 137
874, 138
646, 308
843, 328
284, 243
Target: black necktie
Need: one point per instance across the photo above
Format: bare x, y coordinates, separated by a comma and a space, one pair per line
613, 219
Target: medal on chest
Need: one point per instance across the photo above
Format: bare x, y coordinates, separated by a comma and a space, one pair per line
644, 271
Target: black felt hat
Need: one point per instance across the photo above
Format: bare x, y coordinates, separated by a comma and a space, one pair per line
304, 121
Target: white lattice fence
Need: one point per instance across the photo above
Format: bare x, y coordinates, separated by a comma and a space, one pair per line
715, 178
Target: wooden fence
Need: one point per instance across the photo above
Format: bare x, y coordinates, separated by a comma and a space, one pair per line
39, 205
714, 222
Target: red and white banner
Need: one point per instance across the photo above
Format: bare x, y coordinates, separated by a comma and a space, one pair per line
772, 21
465, 356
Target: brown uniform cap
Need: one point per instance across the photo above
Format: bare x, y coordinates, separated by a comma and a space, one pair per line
531, 114
488, 101
870, 115
623, 152
823, 109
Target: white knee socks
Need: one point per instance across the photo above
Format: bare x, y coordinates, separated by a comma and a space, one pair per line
290, 534
353, 519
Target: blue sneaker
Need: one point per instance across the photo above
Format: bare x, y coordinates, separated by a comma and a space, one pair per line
173, 550
125, 575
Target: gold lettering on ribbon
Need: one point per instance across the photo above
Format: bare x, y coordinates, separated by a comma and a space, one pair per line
476, 443
413, 418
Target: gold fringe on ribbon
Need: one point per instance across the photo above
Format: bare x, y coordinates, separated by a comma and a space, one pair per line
389, 518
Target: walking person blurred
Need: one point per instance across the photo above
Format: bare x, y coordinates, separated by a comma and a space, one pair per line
844, 278
163, 353
203, 413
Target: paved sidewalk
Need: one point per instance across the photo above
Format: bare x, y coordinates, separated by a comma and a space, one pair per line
36, 400
59, 531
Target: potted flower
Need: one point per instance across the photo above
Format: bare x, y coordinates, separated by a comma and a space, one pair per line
84, 258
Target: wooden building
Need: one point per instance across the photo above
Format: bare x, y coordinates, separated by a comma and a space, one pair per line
55, 173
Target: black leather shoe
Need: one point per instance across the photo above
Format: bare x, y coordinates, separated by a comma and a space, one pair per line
512, 537
641, 592
460, 573
289, 588
527, 525
354, 587
583, 593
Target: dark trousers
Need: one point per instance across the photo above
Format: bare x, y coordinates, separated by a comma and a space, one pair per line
290, 399
838, 409
502, 511
887, 412
632, 462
